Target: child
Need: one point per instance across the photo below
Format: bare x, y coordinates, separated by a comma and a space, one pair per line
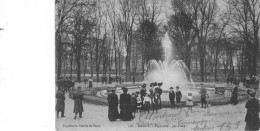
139, 103
133, 104
147, 102
156, 102
189, 102
207, 101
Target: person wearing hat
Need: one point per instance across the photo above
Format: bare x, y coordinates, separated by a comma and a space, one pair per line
159, 91
203, 96
112, 99
178, 97
125, 106
60, 105
252, 116
143, 92
233, 99
78, 106
172, 97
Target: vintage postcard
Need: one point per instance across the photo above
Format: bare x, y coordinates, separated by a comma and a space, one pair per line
184, 65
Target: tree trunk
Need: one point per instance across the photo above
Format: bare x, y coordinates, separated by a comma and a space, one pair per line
78, 68
91, 63
59, 54
64, 68
71, 62
216, 65
202, 68
85, 65
119, 67
187, 57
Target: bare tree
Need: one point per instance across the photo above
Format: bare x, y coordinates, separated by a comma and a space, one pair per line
63, 8
245, 23
128, 15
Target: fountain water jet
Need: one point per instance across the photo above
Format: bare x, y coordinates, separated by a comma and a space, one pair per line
171, 72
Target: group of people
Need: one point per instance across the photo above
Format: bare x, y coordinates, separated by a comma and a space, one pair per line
247, 80
77, 97
65, 83
88, 82
141, 100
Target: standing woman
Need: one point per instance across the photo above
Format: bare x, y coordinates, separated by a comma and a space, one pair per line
78, 106
252, 116
125, 106
233, 99
112, 105
178, 97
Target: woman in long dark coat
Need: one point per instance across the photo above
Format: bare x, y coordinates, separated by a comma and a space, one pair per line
112, 106
60, 105
252, 116
233, 99
125, 106
78, 106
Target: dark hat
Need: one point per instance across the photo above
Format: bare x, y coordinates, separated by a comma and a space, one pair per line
144, 85
159, 84
124, 89
151, 84
155, 83
171, 88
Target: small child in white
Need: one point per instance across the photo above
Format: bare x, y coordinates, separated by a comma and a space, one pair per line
147, 103
189, 102
139, 102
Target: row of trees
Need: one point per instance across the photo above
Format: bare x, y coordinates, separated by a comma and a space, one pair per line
106, 33
121, 36
217, 33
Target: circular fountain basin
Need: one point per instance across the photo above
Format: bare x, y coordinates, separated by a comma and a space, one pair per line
165, 93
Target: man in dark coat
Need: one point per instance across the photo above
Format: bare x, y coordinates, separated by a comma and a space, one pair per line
203, 96
78, 106
172, 97
60, 105
233, 99
252, 116
178, 97
143, 92
112, 106
125, 106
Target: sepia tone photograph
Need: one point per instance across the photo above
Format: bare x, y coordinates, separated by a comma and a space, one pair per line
183, 65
